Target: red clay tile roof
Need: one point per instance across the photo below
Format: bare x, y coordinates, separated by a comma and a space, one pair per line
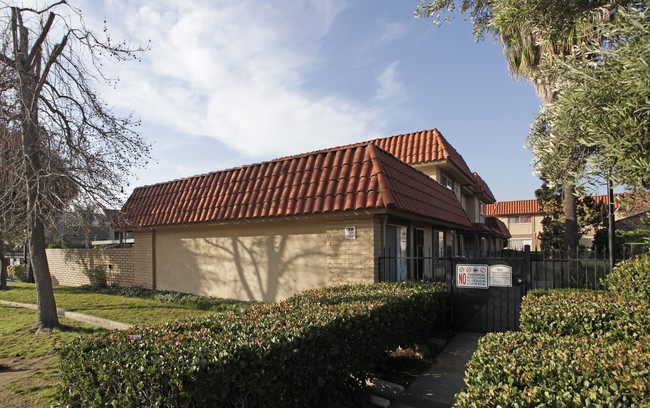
492, 226
498, 227
348, 178
423, 147
520, 207
417, 148
481, 187
524, 207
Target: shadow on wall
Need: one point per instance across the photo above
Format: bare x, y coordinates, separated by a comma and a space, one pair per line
69, 266
266, 268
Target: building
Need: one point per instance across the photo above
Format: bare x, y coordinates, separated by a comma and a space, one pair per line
523, 218
266, 231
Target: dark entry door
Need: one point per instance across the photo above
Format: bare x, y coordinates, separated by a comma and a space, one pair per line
495, 308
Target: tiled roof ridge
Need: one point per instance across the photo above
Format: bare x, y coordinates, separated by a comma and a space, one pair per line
448, 149
361, 176
381, 177
418, 155
266, 162
531, 206
481, 186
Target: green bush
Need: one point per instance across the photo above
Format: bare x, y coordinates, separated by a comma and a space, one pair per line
97, 276
18, 273
577, 348
185, 299
311, 350
631, 278
57, 243
583, 313
518, 369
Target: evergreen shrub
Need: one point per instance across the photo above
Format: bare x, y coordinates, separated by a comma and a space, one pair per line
521, 369
631, 278
312, 350
576, 348
577, 312
18, 273
97, 276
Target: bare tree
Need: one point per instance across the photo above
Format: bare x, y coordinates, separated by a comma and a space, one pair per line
73, 147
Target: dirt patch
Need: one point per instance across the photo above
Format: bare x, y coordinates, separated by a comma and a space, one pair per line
14, 367
402, 366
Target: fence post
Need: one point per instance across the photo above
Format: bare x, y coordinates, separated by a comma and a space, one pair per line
528, 268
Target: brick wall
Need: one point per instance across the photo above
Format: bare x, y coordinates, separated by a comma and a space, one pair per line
351, 261
144, 259
68, 266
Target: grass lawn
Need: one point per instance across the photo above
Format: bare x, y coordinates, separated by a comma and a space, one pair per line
29, 363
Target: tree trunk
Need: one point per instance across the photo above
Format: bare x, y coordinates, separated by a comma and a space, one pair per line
4, 263
30, 134
572, 236
47, 315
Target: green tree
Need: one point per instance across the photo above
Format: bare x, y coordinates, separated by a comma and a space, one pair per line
71, 143
591, 216
535, 35
604, 101
553, 231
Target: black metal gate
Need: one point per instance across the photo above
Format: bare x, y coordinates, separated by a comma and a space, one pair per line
488, 308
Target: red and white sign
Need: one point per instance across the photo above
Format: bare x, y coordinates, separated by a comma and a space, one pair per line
472, 276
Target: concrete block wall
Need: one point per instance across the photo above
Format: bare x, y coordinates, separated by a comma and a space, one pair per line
144, 259
353, 261
68, 266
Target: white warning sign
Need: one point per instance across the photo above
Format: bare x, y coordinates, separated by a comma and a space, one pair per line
472, 276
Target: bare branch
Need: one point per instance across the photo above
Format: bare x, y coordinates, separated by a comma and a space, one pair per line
50, 7
36, 48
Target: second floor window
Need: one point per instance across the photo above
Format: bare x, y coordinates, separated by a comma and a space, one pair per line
447, 182
520, 219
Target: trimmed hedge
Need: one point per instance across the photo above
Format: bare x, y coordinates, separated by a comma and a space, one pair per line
311, 350
518, 369
577, 348
631, 278
584, 313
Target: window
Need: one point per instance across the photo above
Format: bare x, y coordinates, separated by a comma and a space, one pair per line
447, 182
396, 240
519, 244
482, 208
520, 219
418, 238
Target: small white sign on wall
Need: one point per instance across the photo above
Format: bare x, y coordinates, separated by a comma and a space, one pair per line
350, 232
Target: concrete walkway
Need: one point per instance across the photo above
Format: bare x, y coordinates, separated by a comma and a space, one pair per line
80, 317
437, 387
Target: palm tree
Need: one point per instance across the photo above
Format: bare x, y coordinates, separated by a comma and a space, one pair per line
532, 42
534, 34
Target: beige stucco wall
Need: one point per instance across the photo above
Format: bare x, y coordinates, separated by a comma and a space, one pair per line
525, 230
266, 261
259, 261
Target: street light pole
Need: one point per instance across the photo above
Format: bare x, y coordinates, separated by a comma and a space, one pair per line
612, 226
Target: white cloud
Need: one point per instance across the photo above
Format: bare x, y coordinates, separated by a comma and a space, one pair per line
392, 31
390, 88
234, 71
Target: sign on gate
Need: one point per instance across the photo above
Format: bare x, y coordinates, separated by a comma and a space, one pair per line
501, 276
472, 276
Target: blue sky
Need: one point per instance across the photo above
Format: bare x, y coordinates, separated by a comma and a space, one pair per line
228, 83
